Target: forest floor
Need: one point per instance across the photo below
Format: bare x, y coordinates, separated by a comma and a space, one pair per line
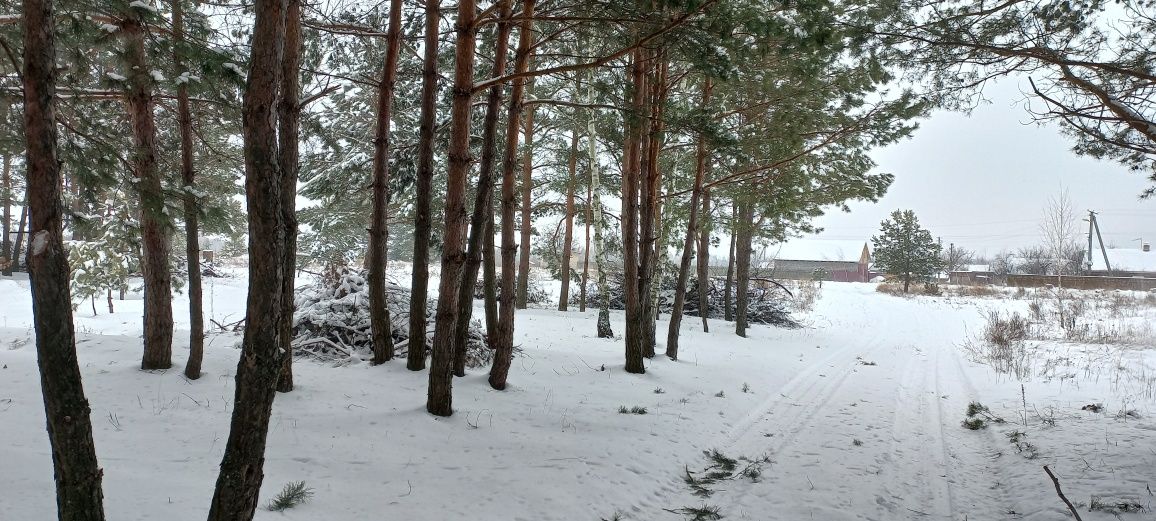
858, 415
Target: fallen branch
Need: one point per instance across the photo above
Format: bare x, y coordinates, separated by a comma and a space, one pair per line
1060, 493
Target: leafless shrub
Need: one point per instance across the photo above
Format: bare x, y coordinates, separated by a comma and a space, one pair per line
1002, 347
890, 288
1004, 331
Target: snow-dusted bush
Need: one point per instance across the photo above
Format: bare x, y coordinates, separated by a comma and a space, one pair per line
332, 320
536, 294
770, 306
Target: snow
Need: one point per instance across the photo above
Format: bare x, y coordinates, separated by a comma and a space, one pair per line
234, 67
859, 414
157, 75
115, 77
39, 242
1125, 259
139, 4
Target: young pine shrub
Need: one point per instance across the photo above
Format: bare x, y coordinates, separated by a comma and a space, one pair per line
293, 494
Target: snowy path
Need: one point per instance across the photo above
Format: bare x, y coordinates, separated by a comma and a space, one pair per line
852, 440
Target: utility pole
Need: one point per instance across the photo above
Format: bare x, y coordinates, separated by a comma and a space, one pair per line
1099, 237
1091, 222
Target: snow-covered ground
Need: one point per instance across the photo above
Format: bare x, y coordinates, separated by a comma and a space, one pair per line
858, 415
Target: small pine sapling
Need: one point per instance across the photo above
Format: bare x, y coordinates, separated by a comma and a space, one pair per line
295, 493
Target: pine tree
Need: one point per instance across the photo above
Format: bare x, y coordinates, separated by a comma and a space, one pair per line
905, 249
78, 478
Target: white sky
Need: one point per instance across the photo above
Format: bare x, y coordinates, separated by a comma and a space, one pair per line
983, 181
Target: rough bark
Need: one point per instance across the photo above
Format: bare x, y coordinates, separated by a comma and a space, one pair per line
18, 244
490, 278
75, 469
745, 234
692, 228
595, 184
649, 208
504, 344
423, 191
568, 236
527, 197
728, 291
6, 239
586, 248
440, 397
289, 129
239, 481
380, 324
188, 178
631, 173
704, 260
155, 228
484, 200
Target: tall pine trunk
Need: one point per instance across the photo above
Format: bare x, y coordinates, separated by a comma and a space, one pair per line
18, 244
568, 237
504, 345
745, 226
490, 279
75, 469
189, 178
158, 305
440, 398
523, 290
604, 330
6, 240
704, 261
650, 220
728, 290
692, 227
289, 129
380, 324
484, 201
586, 251
423, 187
239, 481
631, 177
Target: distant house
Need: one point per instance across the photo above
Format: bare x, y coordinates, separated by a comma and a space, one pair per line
799, 259
972, 275
1125, 262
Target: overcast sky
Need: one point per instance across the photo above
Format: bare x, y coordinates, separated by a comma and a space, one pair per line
982, 181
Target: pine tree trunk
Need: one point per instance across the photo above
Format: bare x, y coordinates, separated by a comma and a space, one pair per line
188, 177
649, 194
289, 129
6, 252
586, 252
18, 244
440, 398
239, 482
423, 191
74, 464
380, 324
158, 307
704, 261
568, 237
489, 279
504, 341
604, 330
745, 226
483, 202
728, 291
692, 227
631, 174
527, 197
